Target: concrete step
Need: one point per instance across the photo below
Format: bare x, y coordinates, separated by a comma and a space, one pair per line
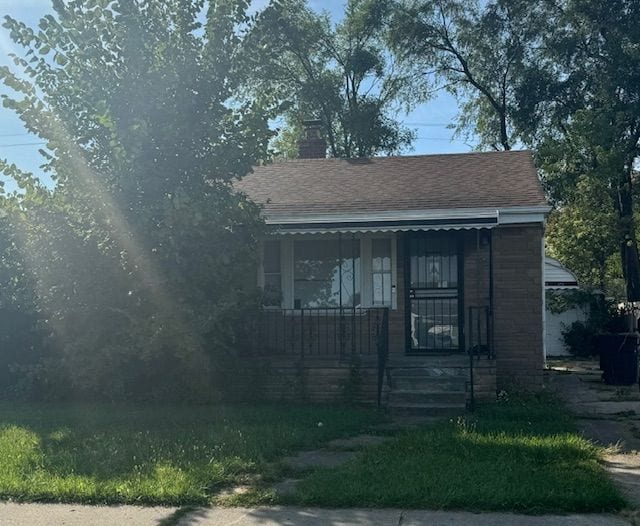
408, 383
416, 409
400, 397
431, 372
452, 360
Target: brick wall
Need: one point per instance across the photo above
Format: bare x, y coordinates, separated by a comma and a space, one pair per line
518, 306
476, 283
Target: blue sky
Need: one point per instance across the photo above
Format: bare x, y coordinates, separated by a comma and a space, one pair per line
430, 120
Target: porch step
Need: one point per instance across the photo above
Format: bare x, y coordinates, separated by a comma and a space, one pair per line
424, 388
399, 397
418, 362
424, 410
445, 385
430, 372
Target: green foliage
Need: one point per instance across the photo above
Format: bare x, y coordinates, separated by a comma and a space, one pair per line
582, 235
342, 75
136, 262
572, 95
580, 339
475, 50
579, 104
603, 316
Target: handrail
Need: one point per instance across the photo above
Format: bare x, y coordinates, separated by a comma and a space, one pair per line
480, 343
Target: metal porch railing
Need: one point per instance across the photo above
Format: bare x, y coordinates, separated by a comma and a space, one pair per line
331, 332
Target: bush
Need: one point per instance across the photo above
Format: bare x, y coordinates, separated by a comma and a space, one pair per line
580, 339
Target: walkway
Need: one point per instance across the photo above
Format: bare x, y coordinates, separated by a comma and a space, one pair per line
70, 515
608, 415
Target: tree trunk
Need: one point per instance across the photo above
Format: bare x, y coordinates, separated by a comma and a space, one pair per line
628, 242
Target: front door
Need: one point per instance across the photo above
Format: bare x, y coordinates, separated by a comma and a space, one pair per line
434, 281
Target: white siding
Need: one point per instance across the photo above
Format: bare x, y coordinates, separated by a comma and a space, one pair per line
555, 324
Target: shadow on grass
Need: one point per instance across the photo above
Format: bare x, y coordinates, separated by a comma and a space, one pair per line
153, 455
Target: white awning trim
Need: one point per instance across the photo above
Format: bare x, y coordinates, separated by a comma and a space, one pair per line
355, 230
402, 221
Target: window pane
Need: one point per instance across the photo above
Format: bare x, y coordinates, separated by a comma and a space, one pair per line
271, 261
316, 294
434, 323
378, 290
381, 254
386, 287
318, 273
434, 262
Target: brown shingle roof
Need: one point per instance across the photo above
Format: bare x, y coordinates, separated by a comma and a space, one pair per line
380, 184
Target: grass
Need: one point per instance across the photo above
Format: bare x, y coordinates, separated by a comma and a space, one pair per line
521, 456
154, 455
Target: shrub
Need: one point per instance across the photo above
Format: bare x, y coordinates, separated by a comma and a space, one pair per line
580, 339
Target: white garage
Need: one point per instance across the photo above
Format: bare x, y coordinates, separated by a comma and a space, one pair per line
557, 278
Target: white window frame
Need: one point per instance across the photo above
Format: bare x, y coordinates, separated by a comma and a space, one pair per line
366, 276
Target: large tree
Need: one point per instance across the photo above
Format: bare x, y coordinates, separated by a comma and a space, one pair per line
139, 254
340, 74
560, 76
579, 104
475, 50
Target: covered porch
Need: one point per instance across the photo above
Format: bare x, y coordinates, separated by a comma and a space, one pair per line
387, 300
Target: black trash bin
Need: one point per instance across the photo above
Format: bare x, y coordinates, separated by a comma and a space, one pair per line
619, 358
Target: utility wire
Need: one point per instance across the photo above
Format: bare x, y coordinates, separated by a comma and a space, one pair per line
21, 144
427, 124
13, 134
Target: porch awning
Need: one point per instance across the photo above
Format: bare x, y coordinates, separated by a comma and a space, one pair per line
407, 221
403, 221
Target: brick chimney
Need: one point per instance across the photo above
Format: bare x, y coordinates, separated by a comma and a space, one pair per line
312, 144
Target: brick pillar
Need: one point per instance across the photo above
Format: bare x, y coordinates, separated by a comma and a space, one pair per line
518, 307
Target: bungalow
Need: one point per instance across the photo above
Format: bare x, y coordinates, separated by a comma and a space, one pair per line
416, 281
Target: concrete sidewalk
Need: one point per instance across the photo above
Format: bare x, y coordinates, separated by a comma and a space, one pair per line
76, 515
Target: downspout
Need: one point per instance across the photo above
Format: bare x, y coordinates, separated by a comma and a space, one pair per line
490, 336
353, 294
341, 317
544, 304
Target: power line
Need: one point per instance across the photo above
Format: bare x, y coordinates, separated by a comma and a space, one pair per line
428, 124
439, 139
13, 134
21, 144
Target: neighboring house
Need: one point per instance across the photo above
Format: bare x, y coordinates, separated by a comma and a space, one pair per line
391, 275
558, 280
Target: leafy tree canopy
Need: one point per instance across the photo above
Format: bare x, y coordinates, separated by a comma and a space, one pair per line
342, 75
559, 76
135, 256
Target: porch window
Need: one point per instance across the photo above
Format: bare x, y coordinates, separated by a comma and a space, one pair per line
326, 273
381, 271
272, 274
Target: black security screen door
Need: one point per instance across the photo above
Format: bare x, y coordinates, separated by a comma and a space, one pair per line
434, 281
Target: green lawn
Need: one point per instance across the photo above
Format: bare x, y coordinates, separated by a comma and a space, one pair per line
168, 455
521, 456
